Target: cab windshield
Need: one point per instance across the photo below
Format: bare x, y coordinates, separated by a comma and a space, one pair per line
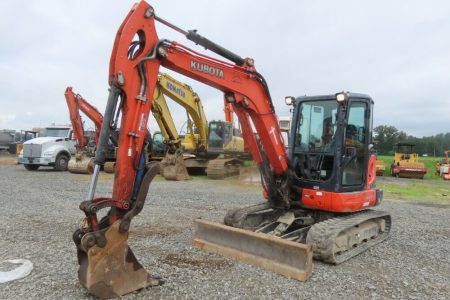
316, 127
56, 132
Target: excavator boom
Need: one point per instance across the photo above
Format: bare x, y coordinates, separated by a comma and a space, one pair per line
172, 165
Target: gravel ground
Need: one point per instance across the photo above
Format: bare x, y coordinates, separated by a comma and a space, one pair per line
39, 212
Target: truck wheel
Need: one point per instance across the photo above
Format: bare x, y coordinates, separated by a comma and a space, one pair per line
31, 167
61, 162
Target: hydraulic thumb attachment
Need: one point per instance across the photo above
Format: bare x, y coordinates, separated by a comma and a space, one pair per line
108, 267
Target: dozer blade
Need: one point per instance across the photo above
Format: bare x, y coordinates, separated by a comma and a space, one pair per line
173, 167
113, 270
291, 259
81, 165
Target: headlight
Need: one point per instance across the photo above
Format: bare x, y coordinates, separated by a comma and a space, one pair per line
289, 100
341, 97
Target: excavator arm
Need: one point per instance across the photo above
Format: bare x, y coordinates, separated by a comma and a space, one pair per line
137, 73
108, 267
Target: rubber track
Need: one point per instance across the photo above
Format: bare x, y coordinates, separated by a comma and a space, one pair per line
322, 235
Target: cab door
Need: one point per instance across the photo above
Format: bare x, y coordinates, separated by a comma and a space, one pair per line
356, 145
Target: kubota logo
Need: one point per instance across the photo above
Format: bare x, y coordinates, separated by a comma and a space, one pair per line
196, 66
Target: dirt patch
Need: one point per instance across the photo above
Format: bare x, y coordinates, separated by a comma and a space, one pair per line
184, 261
438, 205
154, 230
440, 231
8, 160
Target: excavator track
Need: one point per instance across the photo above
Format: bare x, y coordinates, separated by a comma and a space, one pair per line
221, 168
338, 239
109, 167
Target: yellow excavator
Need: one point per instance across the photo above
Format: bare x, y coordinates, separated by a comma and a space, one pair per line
172, 165
216, 147
164, 145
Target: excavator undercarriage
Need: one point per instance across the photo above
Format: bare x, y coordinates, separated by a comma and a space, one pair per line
334, 237
221, 168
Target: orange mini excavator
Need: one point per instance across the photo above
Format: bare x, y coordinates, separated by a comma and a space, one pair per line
319, 194
83, 160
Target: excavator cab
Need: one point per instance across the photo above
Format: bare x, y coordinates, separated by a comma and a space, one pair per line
227, 143
220, 134
156, 146
331, 142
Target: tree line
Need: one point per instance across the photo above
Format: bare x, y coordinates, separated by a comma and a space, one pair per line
386, 137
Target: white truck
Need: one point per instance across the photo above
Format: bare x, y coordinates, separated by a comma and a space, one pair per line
285, 126
53, 147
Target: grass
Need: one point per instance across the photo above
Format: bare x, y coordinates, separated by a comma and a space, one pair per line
415, 190
432, 189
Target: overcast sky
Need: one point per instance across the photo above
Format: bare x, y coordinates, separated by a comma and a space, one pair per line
398, 52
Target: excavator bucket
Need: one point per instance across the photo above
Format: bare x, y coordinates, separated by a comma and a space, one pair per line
108, 267
81, 164
113, 270
109, 167
291, 259
173, 167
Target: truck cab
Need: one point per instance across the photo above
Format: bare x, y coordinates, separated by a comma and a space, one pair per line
53, 148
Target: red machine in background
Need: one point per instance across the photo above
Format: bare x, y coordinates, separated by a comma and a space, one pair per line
443, 166
317, 194
83, 160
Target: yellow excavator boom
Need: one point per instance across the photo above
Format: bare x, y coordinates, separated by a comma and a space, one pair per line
183, 94
163, 117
